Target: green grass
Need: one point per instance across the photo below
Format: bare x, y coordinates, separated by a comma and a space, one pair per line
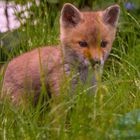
112, 113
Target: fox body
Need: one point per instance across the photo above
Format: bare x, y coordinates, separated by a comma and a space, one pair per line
86, 38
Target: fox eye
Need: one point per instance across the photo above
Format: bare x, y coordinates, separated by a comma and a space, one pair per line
103, 43
83, 43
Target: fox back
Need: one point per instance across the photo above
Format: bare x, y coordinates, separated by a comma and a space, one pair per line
86, 39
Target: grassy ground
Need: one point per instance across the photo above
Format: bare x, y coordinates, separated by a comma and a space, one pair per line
112, 113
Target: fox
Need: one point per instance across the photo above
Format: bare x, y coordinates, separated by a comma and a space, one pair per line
86, 39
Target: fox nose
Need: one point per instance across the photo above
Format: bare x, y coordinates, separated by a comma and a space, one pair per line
94, 62
98, 58
99, 61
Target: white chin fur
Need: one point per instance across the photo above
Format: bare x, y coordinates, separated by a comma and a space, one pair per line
102, 61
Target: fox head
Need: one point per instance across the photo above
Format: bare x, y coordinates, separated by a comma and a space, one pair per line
89, 34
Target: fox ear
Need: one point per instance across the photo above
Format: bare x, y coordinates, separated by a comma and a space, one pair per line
70, 15
111, 15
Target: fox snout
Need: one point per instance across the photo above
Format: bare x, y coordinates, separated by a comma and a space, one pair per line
95, 56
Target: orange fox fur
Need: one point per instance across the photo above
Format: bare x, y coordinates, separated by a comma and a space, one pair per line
86, 38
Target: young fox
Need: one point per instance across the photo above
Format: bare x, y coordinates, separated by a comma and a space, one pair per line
86, 38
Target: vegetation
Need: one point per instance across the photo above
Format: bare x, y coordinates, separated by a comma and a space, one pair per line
111, 113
